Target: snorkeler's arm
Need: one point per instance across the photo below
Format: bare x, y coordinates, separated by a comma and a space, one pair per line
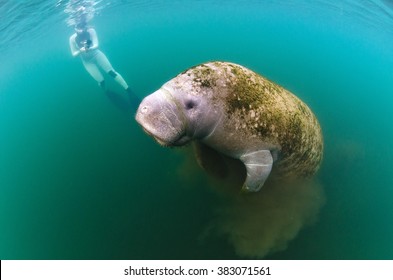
93, 38
74, 48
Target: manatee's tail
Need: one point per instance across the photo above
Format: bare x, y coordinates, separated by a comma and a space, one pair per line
265, 222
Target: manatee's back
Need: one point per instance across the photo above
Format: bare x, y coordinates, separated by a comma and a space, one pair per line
276, 116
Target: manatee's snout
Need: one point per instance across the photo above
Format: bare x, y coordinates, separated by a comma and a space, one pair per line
160, 118
143, 112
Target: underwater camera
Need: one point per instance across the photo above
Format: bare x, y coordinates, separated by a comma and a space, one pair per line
87, 44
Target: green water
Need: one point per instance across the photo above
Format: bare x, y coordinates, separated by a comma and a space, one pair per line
79, 179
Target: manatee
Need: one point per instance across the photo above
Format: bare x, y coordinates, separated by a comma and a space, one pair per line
239, 114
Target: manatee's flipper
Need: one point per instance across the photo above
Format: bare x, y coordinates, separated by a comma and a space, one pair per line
258, 165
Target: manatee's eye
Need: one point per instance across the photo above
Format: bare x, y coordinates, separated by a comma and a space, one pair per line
190, 104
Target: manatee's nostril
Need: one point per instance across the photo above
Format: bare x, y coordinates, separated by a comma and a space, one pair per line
144, 109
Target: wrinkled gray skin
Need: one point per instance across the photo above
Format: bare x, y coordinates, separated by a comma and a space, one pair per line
238, 113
